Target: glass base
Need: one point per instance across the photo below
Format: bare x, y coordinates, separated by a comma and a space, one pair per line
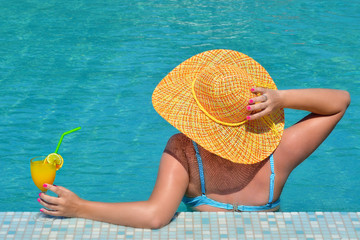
42, 217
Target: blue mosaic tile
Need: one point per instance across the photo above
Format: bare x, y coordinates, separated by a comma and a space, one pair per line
196, 225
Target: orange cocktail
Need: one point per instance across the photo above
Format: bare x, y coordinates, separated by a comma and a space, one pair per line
43, 171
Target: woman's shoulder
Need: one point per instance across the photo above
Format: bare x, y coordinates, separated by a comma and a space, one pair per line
178, 141
178, 146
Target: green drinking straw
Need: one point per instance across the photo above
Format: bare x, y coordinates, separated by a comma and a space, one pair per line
62, 136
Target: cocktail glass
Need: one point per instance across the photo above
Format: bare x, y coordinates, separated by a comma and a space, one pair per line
42, 172
43, 169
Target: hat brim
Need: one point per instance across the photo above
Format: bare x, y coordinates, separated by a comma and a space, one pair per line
249, 143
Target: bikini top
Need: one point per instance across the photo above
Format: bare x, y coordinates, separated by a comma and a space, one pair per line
204, 200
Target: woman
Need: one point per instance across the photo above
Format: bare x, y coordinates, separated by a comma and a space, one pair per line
232, 154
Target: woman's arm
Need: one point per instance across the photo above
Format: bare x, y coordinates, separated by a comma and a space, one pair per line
319, 101
327, 106
157, 211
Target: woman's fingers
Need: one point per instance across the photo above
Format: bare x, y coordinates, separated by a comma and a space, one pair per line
259, 99
259, 114
51, 204
65, 204
50, 212
257, 107
259, 90
46, 204
53, 188
49, 199
267, 101
258, 110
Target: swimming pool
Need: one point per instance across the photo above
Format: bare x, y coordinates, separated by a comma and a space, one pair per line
95, 64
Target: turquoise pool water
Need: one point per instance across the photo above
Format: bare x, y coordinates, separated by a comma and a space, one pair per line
95, 64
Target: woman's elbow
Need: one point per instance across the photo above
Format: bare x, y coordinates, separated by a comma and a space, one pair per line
346, 99
157, 220
157, 223
156, 217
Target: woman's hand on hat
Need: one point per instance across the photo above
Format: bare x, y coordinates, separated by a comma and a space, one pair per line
265, 103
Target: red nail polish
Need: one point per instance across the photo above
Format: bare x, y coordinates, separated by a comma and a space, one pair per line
39, 194
38, 199
248, 108
41, 210
45, 185
251, 101
248, 117
252, 89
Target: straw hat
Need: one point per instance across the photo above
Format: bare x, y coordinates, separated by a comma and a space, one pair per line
205, 97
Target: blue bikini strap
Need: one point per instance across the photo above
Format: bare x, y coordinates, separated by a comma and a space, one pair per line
272, 179
201, 170
202, 178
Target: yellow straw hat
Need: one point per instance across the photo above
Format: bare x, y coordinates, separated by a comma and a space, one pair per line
205, 97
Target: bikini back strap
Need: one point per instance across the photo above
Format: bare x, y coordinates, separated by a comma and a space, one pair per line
201, 169
272, 179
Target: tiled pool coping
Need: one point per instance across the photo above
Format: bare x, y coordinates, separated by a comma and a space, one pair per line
191, 225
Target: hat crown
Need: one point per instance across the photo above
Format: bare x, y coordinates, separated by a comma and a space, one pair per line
223, 91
